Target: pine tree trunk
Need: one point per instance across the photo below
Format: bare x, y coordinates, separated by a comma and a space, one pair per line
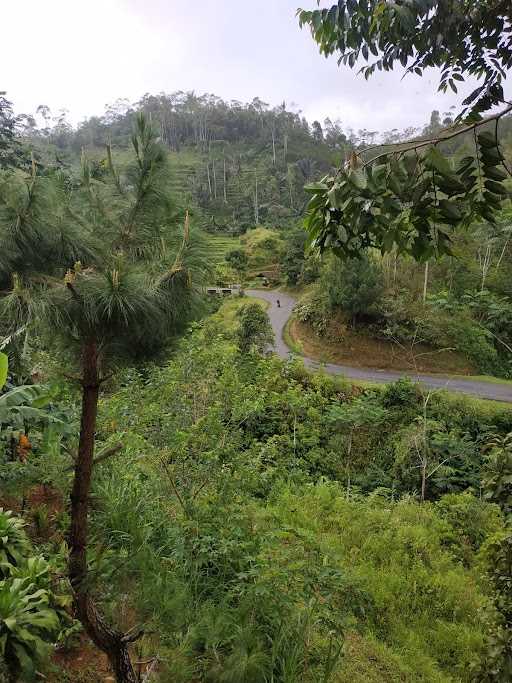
209, 179
225, 185
256, 202
107, 639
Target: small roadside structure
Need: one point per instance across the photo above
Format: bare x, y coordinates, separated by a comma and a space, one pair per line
228, 290
268, 277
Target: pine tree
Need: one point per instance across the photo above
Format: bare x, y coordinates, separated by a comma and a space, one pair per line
106, 267
11, 152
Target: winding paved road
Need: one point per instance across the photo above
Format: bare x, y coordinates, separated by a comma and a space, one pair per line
280, 316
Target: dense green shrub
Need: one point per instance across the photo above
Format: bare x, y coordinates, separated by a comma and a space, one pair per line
470, 520
475, 342
479, 324
441, 323
255, 331
496, 555
497, 474
354, 285
14, 543
400, 319
297, 267
313, 308
497, 559
252, 561
281, 587
237, 259
403, 394
235, 516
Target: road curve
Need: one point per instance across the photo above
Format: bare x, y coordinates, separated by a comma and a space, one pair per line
279, 316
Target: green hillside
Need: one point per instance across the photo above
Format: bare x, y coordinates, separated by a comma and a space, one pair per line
217, 246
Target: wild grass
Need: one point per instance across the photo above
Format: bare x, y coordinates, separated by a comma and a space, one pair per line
249, 560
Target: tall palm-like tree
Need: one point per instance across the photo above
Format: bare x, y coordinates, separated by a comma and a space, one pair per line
105, 264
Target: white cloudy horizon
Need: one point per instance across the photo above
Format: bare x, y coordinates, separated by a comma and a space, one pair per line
82, 57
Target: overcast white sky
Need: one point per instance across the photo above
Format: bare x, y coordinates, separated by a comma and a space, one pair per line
83, 55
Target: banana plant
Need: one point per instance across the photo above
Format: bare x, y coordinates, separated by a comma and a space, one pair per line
27, 622
14, 545
23, 404
4, 368
32, 615
36, 570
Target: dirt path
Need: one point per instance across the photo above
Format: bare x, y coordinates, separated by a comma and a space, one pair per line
280, 316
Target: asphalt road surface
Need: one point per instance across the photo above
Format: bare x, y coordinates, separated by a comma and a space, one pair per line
279, 316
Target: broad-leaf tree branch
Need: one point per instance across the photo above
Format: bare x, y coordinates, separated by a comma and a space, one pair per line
412, 197
462, 38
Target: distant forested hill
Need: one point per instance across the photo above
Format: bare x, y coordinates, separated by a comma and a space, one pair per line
235, 164
238, 164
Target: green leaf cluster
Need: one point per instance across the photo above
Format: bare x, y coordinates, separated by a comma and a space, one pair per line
460, 39
406, 201
27, 618
497, 480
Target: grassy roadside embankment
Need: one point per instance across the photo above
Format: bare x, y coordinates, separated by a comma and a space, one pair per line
297, 346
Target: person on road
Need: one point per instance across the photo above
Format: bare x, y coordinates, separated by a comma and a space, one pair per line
278, 303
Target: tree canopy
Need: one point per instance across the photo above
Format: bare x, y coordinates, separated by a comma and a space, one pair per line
11, 153
411, 196
462, 38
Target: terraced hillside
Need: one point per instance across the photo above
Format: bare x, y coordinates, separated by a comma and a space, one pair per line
218, 246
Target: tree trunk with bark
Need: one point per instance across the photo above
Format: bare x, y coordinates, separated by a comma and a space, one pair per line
209, 179
256, 201
113, 643
423, 481
225, 184
425, 283
214, 180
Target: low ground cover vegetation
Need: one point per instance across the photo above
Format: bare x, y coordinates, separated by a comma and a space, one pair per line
269, 524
